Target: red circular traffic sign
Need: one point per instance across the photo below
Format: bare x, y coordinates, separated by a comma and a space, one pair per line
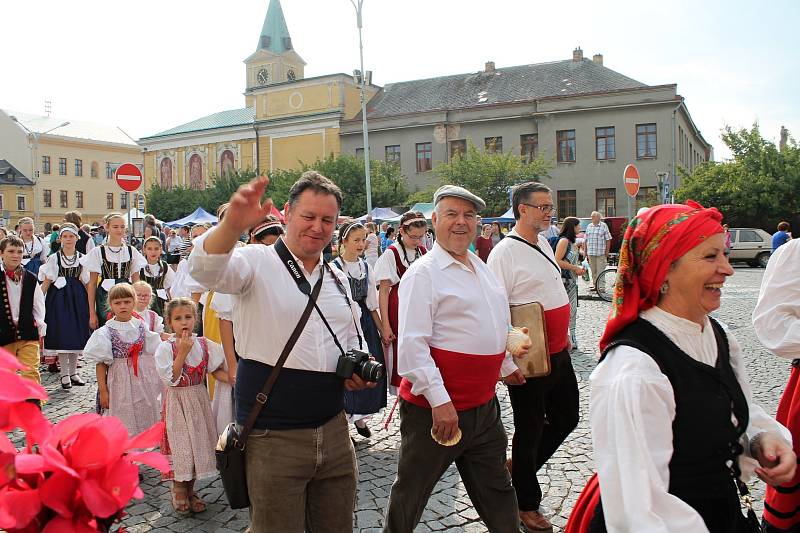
128, 176
631, 180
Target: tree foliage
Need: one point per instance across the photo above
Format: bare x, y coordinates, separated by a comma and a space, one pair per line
759, 187
490, 175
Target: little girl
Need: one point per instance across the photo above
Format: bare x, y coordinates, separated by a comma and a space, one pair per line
122, 350
34, 250
144, 297
66, 307
111, 263
183, 362
157, 273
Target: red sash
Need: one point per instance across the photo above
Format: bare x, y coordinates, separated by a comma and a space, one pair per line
556, 322
469, 379
584, 509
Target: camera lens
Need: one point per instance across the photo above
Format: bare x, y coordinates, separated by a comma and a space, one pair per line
370, 371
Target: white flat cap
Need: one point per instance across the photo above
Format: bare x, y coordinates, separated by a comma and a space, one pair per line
458, 192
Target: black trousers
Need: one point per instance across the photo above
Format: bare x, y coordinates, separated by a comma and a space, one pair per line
545, 413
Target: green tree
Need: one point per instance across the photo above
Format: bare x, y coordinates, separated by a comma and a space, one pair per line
759, 187
490, 175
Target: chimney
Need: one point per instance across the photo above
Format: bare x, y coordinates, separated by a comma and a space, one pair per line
489, 66
598, 58
577, 54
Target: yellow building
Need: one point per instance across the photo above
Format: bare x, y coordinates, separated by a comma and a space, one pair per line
288, 119
16, 195
72, 163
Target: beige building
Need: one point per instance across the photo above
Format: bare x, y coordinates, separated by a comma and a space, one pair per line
71, 162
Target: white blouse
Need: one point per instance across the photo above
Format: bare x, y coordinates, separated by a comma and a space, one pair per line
154, 271
216, 358
386, 267
98, 347
93, 261
371, 249
632, 410
49, 270
222, 304
34, 248
777, 314
357, 270
151, 317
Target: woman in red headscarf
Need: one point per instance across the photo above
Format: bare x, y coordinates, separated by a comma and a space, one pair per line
673, 424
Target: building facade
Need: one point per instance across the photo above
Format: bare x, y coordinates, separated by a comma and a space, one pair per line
16, 194
70, 162
287, 119
585, 118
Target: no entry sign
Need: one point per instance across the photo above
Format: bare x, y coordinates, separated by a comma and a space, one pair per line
631, 180
128, 177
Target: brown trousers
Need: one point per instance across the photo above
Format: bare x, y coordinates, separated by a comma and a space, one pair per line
302, 479
27, 353
480, 457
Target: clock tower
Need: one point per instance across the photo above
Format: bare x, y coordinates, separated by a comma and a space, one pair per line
274, 60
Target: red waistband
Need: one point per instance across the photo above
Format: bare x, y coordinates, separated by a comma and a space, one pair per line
469, 379
556, 322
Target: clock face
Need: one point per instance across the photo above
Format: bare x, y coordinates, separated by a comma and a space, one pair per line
263, 76
290, 75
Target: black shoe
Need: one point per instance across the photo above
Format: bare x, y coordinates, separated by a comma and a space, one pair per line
66, 382
364, 431
53, 368
76, 380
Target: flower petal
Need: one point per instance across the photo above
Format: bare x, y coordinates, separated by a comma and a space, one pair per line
23, 505
56, 460
30, 418
9, 362
122, 481
17, 389
29, 463
67, 428
58, 493
155, 460
99, 502
148, 438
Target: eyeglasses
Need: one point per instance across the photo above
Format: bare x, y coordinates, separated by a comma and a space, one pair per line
414, 238
545, 209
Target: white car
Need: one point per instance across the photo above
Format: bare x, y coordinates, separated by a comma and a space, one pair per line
751, 245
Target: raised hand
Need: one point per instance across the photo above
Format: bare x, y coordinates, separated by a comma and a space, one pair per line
245, 209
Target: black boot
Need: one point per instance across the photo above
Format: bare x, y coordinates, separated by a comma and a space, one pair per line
76, 380
65, 382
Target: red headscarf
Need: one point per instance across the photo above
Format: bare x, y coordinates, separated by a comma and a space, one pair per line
653, 241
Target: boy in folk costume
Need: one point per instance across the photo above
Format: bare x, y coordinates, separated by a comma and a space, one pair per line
157, 274
34, 249
22, 319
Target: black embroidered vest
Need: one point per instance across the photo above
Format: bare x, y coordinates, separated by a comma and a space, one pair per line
25, 329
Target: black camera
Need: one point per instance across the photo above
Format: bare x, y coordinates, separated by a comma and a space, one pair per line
359, 363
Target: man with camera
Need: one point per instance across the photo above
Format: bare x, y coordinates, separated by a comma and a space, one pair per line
454, 322
300, 463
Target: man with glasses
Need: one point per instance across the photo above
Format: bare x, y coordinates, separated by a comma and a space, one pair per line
598, 245
527, 268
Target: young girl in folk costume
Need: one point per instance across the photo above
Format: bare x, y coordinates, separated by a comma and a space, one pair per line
157, 273
34, 249
352, 242
268, 232
66, 307
388, 270
144, 297
108, 264
122, 352
183, 362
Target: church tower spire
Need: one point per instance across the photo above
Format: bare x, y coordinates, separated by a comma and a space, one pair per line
274, 60
274, 33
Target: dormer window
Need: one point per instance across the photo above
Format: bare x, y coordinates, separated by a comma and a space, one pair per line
265, 41
287, 43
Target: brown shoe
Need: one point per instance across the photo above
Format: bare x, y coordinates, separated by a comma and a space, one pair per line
534, 521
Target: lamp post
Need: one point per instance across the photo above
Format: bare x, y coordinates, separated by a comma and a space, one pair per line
364, 132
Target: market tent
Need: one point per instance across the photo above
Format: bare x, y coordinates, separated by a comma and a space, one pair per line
505, 218
426, 208
379, 214
200, 216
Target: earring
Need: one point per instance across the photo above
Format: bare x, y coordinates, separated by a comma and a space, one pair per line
664, 288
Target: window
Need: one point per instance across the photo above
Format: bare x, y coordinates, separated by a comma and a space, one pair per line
21, 203
93, 169
47, 197
606, 201
458, 147
604, 143
565, 146
79, 167
2, 204
529, 146
494, 145
359, 153
123, 200
748, 235
393, 154
680, 149
79, 199
647, 197
645, 141
424, 157
109, 200
45, 164
109, 171
567, 203
63, 199
62, 166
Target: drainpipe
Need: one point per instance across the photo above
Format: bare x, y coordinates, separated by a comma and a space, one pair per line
674, 172
255, 128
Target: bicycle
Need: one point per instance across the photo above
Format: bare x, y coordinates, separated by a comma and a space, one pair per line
607, 279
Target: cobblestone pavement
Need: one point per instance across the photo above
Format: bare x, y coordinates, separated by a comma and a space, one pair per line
449, 508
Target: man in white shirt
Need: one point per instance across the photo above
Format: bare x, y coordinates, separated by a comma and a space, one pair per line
450, 360
598, 245
300, 462
526, 267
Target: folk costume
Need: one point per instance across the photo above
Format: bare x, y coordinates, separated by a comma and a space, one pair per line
113, 265
191, 433
778, 328
662, 381
392, 266
134, 386
34, 255
160, 277
152, 320
22, 320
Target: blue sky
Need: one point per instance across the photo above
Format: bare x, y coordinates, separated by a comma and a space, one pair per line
149, 65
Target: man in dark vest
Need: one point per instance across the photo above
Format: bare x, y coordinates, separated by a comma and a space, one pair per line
22, 317
85, 242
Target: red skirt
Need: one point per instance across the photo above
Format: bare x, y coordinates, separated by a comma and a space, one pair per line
585, 507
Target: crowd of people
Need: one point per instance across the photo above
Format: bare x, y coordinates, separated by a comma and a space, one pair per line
187, 326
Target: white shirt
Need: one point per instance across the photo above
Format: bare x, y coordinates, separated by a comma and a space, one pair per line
49, 270
632, 410
33, 249
445, 305
14, 297
386, 267
173, 244
777, 314
93, 260
222, 304
597, 235
357, 270
267, 305
154, 271
150, 317
183, 286
371, 251
216, 358
98, 347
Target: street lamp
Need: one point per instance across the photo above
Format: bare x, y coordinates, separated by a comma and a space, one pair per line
363, 79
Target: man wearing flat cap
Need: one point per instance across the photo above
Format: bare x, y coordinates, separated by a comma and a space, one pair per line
450, 360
